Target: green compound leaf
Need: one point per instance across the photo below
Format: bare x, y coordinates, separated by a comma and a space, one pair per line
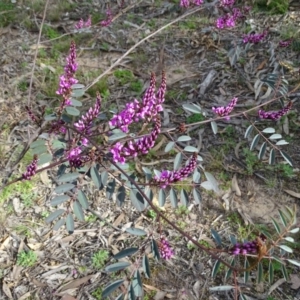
117, 266
254, 142
59, 223
284, 272
83, 199
44, 158
146, 267
110, 189
112, 287
286, 248
192, 108
282, 218
155, 250
37, 143
272, 157
229, 271
137, 200
136, 231
126, 252
295, 230
64, 188
59, 200
130, 293
271, 272
287, 158
104, 177
72, 111
196, 176
149, 194
184, 138
248, 131
269, 130
282, 142
246, 273
70, 223
216, 237
260, 272
190, 149
121, 194
75, 102
96, 177
177, 161
275, 136
137, 284
173, 198
78, 211
197, 196
184, 198
262, 150
276, 225
68, 177
216, 268
169, 146
39, 150
54, 215
214, 127
294, 262
161, 198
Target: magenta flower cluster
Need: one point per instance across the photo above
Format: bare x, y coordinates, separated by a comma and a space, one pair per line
108, 19
74, 157
168, 177
84, 125
134, 148
274, 115
254, 38
285, 43
225, 111
165, 249
81, 24
244, 248
147, 110
67, 79
186, 3
227, 2
230, 19
31, 169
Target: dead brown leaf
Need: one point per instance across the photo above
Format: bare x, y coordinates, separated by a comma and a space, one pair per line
6, 290
292, 193
75, 283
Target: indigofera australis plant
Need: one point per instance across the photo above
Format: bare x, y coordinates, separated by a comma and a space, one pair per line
69, 143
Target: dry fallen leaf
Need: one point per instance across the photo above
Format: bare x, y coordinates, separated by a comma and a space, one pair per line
75, 283
292, 193
235, 186
6, 290
295, 280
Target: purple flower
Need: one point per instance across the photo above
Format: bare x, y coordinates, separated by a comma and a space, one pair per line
108, 20
81, 24
254, 38
168, 177
285, 43
67, 79
74, 157
186, 3
226, 2
135, 111
84, 125
165, 249
134, 148
31, 169
225, 111
275, 115
248, 247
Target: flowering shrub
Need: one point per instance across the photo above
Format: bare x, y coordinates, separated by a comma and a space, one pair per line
68, 141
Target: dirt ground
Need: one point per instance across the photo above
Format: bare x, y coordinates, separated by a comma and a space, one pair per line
195, 57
